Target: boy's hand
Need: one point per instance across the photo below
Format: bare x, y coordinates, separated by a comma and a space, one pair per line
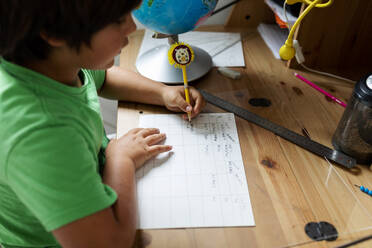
138, 145
174, 100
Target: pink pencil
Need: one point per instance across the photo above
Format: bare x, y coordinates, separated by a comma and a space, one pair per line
320, 90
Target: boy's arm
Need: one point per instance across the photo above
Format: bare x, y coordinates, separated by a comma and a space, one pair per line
111, 227
115, 226
123, 84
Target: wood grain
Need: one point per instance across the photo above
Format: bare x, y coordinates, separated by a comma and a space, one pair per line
298, 187
338, 39
248, 13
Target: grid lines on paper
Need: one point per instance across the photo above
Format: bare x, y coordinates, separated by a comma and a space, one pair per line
201, 182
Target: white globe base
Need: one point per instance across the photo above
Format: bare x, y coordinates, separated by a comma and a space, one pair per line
154, 64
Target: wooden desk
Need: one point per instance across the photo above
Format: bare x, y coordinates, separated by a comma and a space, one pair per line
289, 187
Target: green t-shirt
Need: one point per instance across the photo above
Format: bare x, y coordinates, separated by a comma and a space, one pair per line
51, 139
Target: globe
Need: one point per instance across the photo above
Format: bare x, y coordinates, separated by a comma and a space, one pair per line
174, 16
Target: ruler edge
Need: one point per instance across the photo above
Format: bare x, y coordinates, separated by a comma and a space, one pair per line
330, 156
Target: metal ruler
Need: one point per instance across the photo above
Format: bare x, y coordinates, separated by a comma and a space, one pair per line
302, 141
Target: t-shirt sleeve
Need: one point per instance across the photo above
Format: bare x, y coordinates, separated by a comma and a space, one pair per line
54, 174
98, 77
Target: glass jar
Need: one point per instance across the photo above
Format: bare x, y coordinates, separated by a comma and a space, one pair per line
353, 135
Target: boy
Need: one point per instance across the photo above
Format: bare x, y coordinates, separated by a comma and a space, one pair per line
61, 182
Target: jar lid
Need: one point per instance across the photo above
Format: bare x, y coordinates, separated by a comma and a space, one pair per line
363, 89
369, 82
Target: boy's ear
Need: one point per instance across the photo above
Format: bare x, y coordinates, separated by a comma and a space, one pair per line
52, 41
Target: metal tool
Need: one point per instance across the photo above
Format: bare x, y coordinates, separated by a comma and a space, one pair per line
302, 141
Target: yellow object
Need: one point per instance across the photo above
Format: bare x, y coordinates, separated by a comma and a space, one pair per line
290, 2
287, 51
181, 55
177, 54
319, 5
186, 86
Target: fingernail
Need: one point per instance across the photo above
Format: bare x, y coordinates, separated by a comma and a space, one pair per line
188, 108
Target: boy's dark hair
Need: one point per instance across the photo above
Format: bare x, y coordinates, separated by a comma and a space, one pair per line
75, 21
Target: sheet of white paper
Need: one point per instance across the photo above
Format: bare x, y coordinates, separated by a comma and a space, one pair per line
201, 182
225, 48
273, 36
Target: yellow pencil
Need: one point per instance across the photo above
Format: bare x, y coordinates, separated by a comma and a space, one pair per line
181, 55
186, 86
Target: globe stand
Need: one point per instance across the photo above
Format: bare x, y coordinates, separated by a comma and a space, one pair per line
154, 64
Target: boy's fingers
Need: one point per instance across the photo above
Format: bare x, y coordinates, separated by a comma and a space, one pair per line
182, 104
135, 130
155, 138
156, 149
199, 104
178, 102
148, 131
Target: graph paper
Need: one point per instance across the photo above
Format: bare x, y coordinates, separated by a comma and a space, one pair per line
201, 182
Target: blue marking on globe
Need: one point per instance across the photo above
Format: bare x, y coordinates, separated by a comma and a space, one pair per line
173, 16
